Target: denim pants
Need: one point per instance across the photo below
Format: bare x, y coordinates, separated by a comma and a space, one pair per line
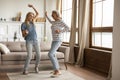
29, 47
52, 54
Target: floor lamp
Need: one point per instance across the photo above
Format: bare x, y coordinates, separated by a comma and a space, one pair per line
45, 36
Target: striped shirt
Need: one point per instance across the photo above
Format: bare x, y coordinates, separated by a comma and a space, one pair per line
58, 25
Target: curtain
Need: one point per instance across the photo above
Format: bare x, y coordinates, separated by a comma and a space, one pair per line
110, 72
73, 31
59, 6
83, 12
83, 25
80, 19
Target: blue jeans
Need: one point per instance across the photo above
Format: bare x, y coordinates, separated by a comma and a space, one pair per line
52, 54
29, 46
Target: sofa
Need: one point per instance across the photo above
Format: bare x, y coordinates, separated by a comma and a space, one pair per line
17, 53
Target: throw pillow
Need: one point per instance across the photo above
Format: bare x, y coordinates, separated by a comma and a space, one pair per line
4, 49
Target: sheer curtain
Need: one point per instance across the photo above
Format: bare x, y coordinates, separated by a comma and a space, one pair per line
83, 25
59, 5
73, 31
83, 11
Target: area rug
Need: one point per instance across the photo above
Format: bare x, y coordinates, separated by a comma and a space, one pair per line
44, 75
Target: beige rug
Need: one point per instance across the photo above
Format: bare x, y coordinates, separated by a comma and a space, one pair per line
43, 75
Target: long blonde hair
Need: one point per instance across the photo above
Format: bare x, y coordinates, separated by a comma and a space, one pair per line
26, 19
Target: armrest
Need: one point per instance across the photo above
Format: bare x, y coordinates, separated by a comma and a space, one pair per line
66, 51
0, 57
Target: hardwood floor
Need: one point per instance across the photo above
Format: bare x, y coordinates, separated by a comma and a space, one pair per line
3, 76
85, 73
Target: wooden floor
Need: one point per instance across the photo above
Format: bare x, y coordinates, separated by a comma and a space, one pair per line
3, 76
85, 73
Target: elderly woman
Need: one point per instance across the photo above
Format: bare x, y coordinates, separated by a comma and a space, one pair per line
58, 27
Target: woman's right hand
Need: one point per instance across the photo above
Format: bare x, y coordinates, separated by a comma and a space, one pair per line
29, 5
25, 33
57, 31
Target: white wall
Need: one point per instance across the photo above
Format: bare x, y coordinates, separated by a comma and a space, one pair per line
116, 42
10, 8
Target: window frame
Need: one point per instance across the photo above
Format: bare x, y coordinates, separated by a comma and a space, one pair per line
65, 42
97, 29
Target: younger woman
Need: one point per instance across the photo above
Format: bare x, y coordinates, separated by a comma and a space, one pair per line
29, 34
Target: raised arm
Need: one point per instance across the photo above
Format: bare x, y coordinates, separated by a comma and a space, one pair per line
48, 17
36, 12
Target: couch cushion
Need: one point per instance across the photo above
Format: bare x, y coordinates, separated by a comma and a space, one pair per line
14, 46
4, 49
45, 46
15, 56
44, 55
23, 46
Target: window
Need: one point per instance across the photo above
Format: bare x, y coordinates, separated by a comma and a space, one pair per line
102, 24
66, 16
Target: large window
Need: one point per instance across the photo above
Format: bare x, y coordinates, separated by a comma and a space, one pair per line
102, 24
66, 16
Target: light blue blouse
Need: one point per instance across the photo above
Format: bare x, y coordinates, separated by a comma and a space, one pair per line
32, 35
